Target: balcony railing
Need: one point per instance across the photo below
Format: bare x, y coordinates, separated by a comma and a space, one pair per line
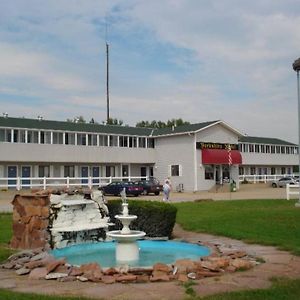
67, 182
263, 178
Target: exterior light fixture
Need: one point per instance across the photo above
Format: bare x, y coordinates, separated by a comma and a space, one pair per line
296, 67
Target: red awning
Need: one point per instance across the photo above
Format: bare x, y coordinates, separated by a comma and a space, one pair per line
220, 157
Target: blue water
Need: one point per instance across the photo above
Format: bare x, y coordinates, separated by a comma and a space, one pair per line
151, 252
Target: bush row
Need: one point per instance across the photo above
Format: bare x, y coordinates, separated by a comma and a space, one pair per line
157, 219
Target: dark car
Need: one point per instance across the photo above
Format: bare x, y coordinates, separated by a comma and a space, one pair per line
150, 186
115, 188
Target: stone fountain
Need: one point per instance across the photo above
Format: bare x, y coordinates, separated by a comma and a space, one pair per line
127, 250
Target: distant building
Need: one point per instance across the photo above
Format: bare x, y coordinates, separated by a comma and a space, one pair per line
195, 156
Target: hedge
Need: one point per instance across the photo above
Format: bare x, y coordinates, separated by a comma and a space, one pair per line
155, 218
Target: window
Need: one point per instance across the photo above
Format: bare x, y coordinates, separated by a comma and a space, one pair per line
262, 148
113, 140
32, 136
69, 138
81, 139
142, 142
278, 149
57, 138
103, 140
93, 140
22, 138
16, 136
176, 170
273, 171
132, 142
252, 171
44, 171
245, 148
272, 149
45, 137
123, 141
151, 143
69, 171
283, 170
287, 150
209, 172
251, 148
257, 148
282, 149
267, 148
110, 171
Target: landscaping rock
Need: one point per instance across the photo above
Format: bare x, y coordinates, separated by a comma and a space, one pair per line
52, 265
23, 271
40, 256
55, 275
182, 278
82, 278
75, 271
142, 278
212, 266
126, 278
67, 279
38, 273
110, 271
241, 264
162, 277
192, 275
162, 267
219, 262
107, 279
185, 266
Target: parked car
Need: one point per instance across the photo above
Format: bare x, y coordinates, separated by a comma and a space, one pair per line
282, 182
150, 186
114, 188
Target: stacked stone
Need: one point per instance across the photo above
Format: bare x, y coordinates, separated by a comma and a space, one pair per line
41, 265
30, 221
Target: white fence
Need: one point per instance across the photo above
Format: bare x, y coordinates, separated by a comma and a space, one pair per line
263, 178
45, 182
292, 189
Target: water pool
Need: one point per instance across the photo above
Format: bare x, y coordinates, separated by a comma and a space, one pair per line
151, 252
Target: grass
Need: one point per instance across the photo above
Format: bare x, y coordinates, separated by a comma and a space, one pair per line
282, 289
266, 222
5, 235
9, 295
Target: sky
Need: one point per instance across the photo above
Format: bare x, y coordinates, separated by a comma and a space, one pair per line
197, 60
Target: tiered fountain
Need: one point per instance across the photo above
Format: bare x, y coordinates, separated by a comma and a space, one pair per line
127, 250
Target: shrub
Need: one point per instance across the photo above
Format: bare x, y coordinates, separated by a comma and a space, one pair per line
157, 219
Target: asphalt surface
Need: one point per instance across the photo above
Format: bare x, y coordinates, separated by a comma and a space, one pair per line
246, 191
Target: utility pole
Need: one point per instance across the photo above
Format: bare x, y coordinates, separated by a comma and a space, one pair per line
107, 82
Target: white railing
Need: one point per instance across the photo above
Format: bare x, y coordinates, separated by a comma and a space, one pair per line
262, 178
45, 182
292, 189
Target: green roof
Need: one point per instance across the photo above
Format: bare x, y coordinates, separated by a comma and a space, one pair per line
182, 129
264, 140
71, 126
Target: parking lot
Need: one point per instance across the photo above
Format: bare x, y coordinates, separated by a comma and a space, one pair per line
246, 191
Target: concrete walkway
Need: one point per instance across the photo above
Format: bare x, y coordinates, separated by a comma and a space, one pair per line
278, 263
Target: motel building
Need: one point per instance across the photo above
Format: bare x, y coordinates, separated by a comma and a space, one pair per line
196, 157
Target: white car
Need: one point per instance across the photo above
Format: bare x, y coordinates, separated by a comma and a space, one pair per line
282, 182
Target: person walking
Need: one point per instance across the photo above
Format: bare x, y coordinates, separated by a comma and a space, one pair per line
166, 190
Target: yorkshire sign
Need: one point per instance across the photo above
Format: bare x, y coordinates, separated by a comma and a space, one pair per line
205, 145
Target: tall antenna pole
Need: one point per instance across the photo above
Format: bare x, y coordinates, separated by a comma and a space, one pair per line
107, 71
107, 81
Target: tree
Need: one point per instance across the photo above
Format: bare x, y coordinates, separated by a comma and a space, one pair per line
79, 119
161, 124
114, 121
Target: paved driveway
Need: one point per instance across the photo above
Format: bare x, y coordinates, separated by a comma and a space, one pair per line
246, 191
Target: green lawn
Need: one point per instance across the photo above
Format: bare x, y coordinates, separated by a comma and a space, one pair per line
5, 235
283, 289
268, 222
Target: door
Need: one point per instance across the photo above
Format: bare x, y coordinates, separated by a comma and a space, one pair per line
125, 172
12, 173
95, 173
84, 173
143, 173
26, 173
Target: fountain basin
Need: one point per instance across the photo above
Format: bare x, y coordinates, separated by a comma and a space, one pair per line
151, 252
133, 235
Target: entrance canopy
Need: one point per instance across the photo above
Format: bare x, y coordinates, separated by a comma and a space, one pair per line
220, 157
